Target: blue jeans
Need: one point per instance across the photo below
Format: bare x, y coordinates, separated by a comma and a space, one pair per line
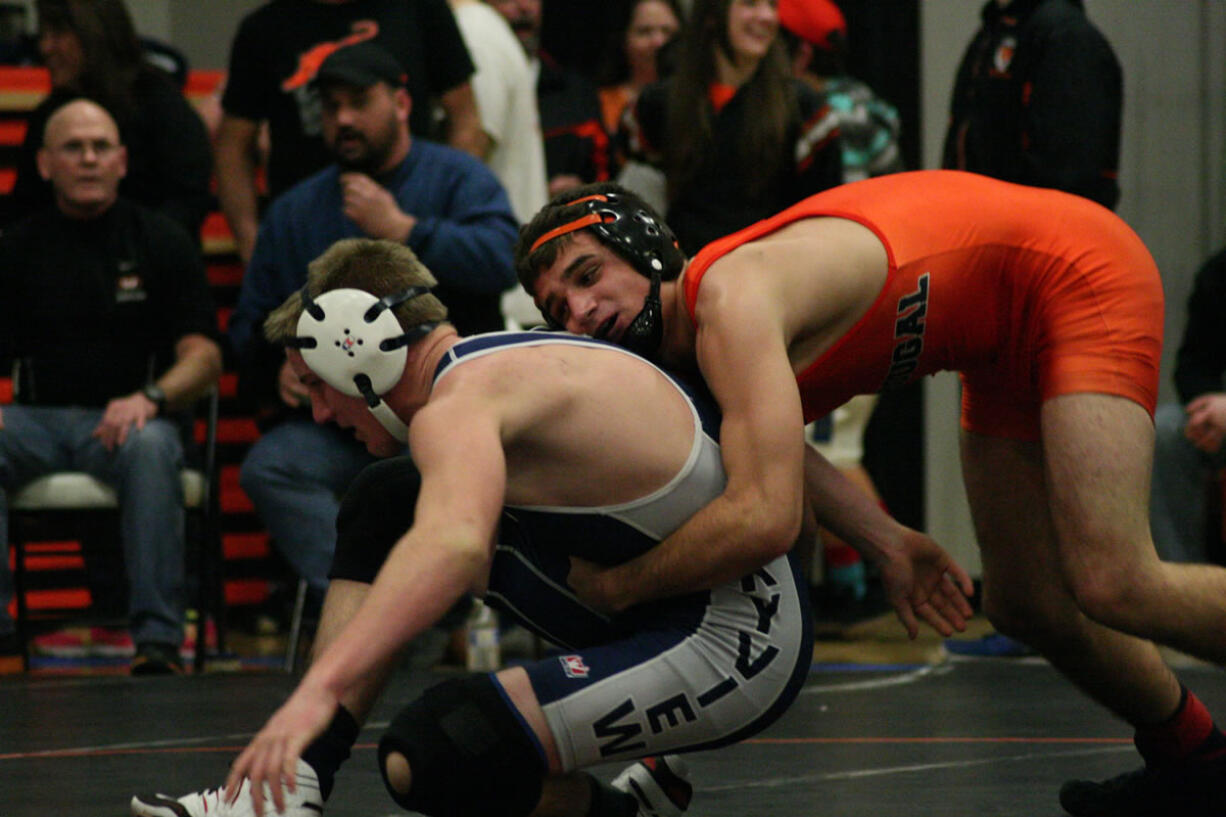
1179, 513
295, 475
144, 471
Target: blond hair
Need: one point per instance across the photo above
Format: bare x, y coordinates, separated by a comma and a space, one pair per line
375, 266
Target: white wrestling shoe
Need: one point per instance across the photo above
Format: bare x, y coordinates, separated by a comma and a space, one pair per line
660, 784
305, 801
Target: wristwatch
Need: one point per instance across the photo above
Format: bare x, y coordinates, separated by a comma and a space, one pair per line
154, 392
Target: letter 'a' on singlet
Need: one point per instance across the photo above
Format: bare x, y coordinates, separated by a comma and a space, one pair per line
1028, 293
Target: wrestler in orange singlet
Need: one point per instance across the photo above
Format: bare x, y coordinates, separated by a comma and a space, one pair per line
1029, 295
1051, 309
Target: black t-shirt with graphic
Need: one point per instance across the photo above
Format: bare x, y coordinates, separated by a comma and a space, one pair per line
93, 308
279, 46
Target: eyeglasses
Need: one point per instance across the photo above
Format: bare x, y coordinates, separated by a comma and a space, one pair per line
79, 148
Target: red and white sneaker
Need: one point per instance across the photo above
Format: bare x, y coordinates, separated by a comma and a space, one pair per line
660, 784
72, 642
111, 642
79, 642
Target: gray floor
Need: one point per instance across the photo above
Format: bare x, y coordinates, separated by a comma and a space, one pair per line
984, 737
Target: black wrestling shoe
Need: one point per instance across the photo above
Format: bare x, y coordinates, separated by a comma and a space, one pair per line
1195, 787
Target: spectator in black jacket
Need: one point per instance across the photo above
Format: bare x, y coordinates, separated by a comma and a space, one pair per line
1037, 100
91, 50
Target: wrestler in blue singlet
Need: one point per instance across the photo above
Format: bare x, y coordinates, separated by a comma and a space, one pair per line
697, 671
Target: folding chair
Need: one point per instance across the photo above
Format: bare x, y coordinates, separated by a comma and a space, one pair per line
68, 492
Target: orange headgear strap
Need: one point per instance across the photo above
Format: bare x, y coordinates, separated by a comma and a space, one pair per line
570, 227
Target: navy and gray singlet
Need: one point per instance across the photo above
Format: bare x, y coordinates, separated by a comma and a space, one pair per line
680, 674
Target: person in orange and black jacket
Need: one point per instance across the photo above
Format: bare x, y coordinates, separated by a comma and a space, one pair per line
1038, 100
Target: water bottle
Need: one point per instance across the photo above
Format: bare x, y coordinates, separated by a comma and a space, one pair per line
484, 653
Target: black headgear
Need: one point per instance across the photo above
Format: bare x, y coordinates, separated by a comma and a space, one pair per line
630, 231
643, 240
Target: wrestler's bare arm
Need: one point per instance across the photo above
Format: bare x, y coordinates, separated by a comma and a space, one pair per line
742, 352
921, 580
458, 449
750, 317
752, 521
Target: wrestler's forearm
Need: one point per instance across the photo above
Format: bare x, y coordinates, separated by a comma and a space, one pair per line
847, 510
754, 521
723, 542
342, 603
401, 604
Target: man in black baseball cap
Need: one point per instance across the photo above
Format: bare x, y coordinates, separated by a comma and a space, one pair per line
365, 109
361, 65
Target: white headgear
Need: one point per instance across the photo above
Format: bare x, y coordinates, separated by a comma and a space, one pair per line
352, 340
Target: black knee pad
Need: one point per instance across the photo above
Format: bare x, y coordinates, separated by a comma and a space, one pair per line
468, 750
375, 512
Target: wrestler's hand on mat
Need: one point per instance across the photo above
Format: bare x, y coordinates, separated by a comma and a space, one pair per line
922, 581
272, 755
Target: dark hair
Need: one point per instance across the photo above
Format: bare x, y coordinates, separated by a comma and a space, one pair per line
614, 68
563, 210
771, 98
111, 50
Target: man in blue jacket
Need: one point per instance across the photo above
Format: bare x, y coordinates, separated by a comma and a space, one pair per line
444, 204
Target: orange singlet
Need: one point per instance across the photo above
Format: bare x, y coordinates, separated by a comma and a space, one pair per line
1028, 293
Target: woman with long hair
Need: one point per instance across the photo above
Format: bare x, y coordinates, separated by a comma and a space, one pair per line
629, 63
735, 135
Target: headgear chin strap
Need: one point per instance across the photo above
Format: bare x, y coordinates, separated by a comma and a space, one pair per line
352, 340
646, 331
639, 237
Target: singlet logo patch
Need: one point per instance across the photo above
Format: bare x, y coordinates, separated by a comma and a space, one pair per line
908, 334
574, 667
